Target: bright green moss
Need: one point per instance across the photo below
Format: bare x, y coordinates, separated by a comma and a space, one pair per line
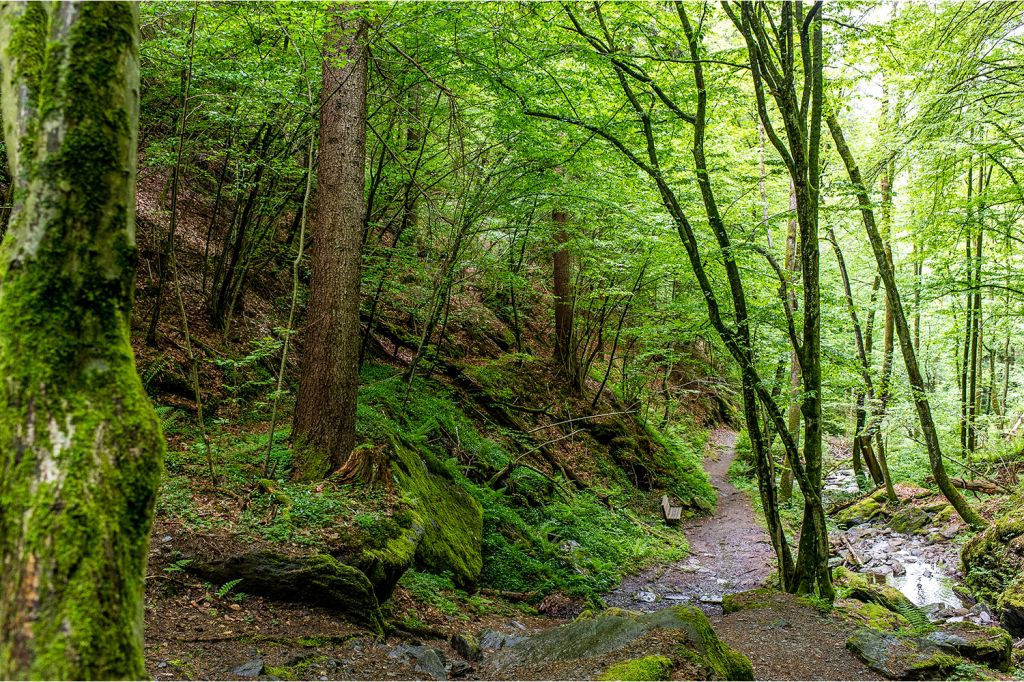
646, 668
452, 520
79, 441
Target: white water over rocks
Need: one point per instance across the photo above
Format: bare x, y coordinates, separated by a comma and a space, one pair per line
924, 567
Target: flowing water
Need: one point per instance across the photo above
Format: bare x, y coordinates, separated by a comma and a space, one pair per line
910, 563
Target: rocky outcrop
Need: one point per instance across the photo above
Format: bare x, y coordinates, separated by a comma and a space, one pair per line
994, 568
902, 657
452, 521
686, 628
933, 654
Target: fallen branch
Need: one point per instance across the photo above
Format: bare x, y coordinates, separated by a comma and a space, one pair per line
987, 487
853, 552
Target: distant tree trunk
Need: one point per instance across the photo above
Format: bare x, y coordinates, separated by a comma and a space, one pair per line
976, 332
862, 442
80, 445
793, 415
325, 407
165, 257
888, 276
564, 303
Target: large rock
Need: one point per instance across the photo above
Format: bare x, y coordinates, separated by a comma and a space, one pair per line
317, 579
858, 587
863, 511
909, 519
452, 521
902, 657
384, 551
616, 629
989, 646
874, 616
932, 654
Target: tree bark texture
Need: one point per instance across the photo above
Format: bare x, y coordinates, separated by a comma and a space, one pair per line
564, 303
325, 408
80, 444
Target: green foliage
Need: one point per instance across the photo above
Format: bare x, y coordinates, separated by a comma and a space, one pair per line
226, 588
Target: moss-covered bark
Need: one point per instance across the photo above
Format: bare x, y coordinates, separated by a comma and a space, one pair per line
80, 445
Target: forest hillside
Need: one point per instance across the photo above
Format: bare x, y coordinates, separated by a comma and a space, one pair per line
622, 341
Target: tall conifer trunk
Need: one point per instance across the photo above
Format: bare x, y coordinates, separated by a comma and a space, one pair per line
325, 408
80, 445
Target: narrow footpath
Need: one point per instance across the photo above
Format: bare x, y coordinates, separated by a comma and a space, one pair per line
731, 552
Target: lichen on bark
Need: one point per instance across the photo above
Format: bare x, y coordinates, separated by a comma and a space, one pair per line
80, 445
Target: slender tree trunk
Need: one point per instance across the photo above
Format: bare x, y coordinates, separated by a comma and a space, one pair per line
879, 472
564, 303
325, 407
888, 276
80, 444
166, 252
795, 382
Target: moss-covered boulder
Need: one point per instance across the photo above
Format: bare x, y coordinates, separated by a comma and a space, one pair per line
933, 654
452, 521
387, 551
317, 579
902, 657
993, 562
617, 629
1010, 606
865, 510
909, 519
760, 598
646, 668
857, 586
866, 614
989, 646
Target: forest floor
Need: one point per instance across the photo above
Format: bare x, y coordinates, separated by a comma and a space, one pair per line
194, 634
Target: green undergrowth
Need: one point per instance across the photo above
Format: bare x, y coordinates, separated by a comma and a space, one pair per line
440, 592
540, 534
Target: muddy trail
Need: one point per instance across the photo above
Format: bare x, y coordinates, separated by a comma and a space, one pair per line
729, 550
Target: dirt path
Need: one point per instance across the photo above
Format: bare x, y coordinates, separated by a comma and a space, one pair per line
729, 551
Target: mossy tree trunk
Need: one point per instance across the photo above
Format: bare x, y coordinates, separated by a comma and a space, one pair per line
325, 409
80, 444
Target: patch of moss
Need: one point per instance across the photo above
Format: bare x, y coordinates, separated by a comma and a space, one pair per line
760, 598
646, 668
452, 520
993, 558
866, 614
300, 670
